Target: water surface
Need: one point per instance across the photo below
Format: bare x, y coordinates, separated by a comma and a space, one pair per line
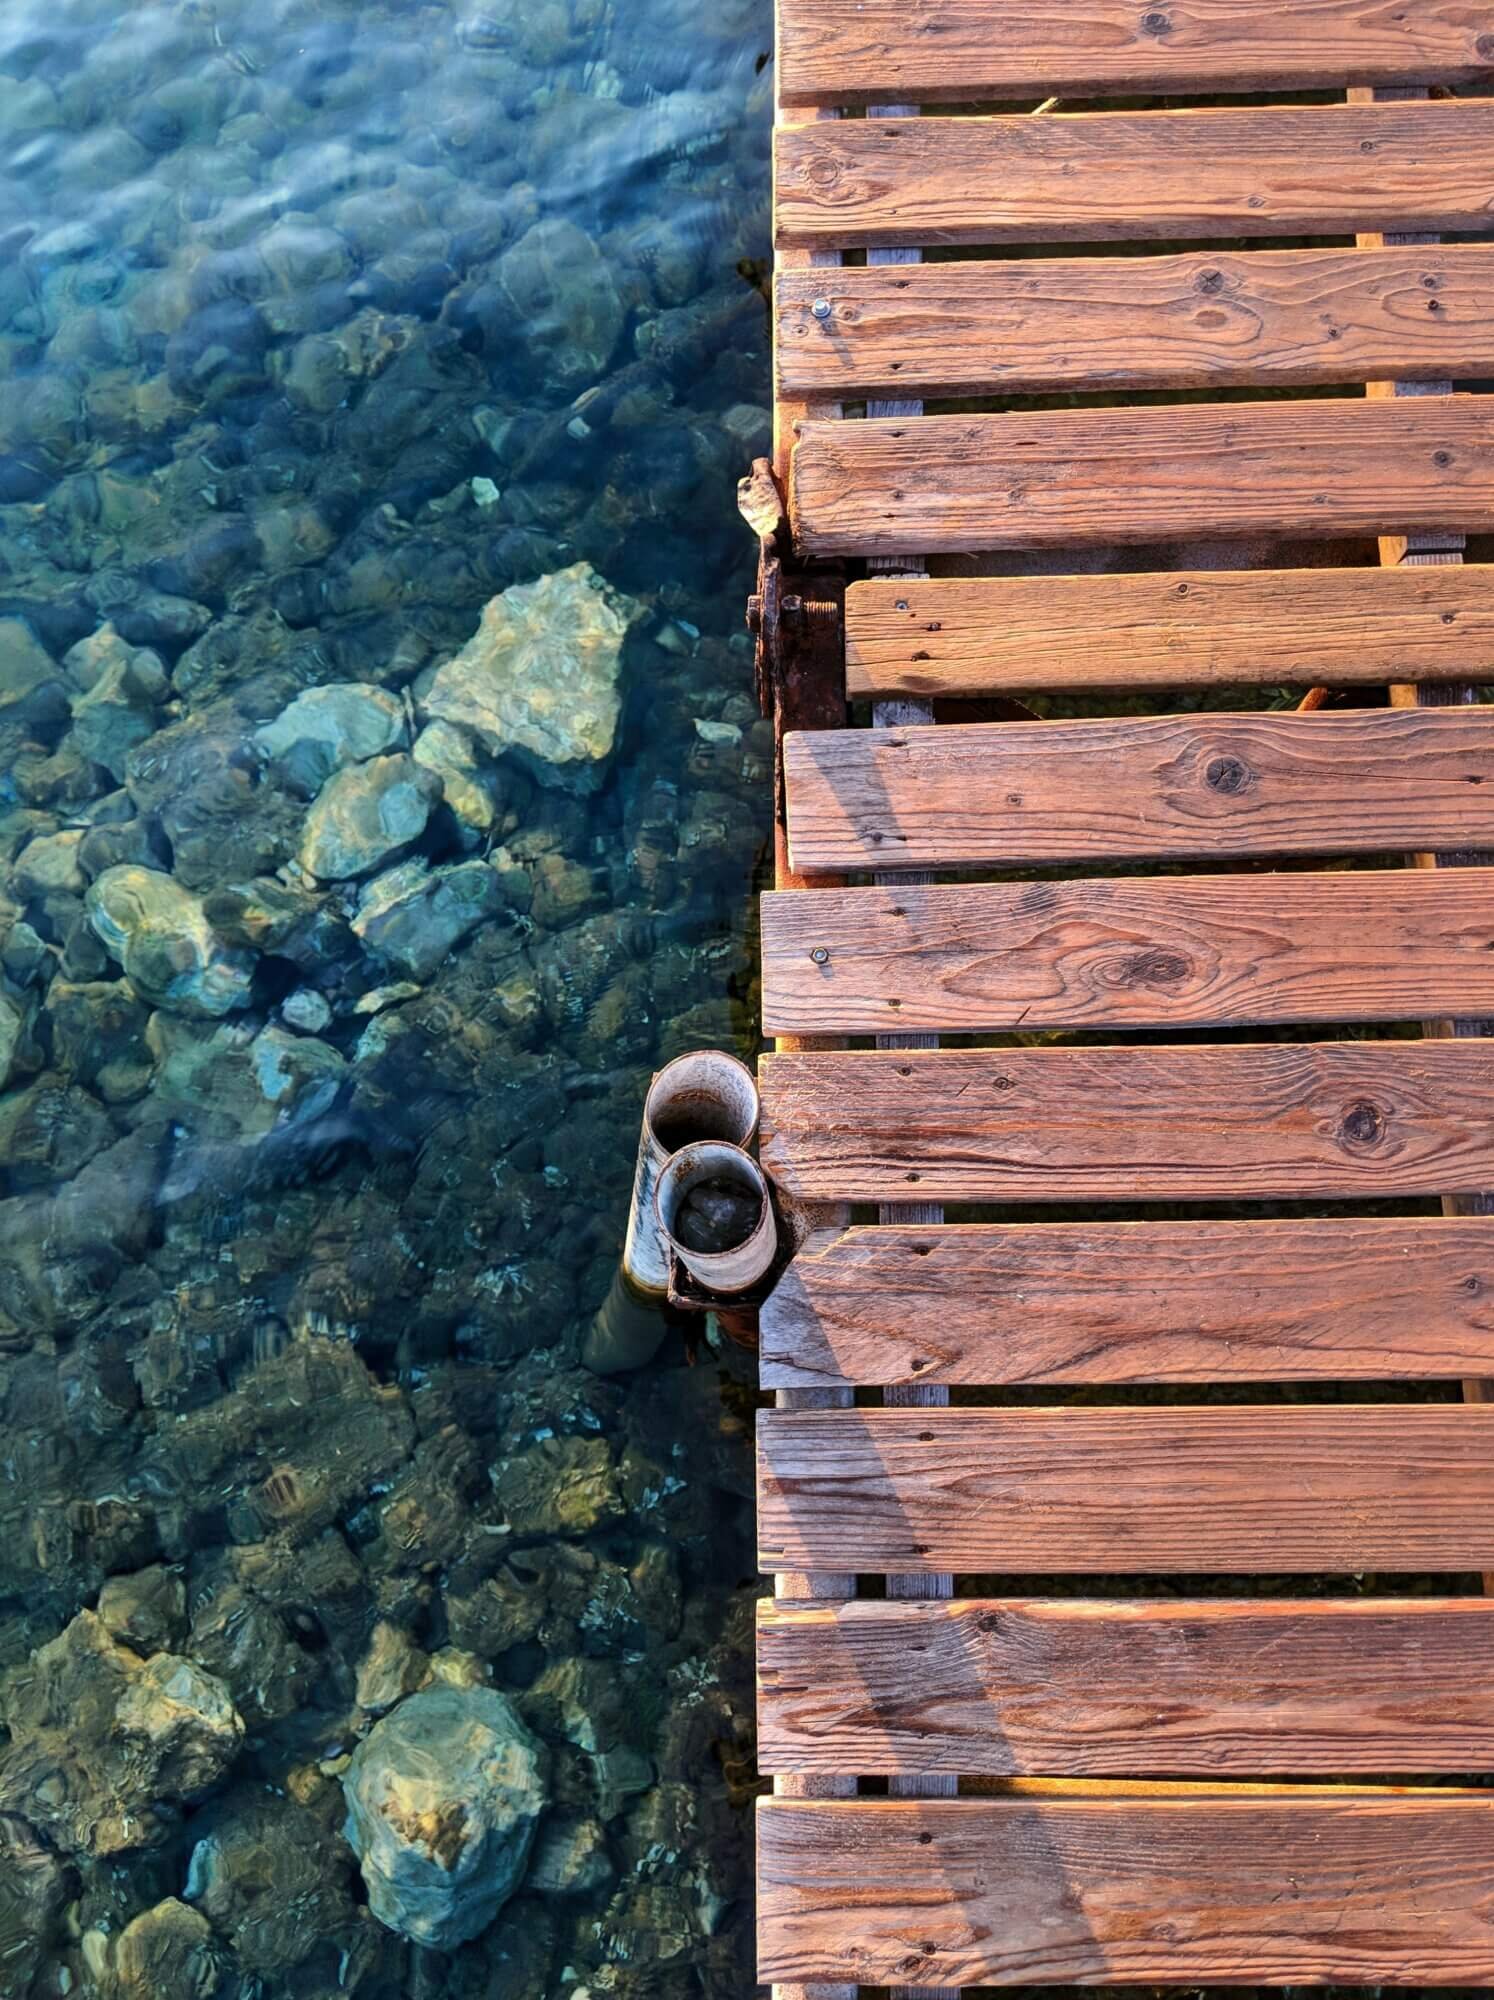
323, 1035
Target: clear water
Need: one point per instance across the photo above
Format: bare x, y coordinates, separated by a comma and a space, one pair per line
323, 323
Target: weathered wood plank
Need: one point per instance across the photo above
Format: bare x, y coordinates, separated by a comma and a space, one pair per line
1151, 788
1242, 1489
882, 52
1125, 1302
1241, 1122
1077, 1687
1316, 170
1170, 952
1196, 321
1086, 477
1373, 1888
964, 636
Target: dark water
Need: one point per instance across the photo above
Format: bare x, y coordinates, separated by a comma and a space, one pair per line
346, 904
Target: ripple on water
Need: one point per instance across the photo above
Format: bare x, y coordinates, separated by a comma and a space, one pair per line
337, 943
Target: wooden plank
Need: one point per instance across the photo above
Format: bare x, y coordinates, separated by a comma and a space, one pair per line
1372, 1888
1141, 788
1316, 170
880, 51
1169, 952
1202, 320
1092, 477
1243, 1489
963, 636
1346, 1299
1074, 1687
1244, 1122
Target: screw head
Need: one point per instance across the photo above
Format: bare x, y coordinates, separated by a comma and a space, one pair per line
821, 309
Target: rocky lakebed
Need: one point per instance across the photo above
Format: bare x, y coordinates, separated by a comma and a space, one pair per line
381, 791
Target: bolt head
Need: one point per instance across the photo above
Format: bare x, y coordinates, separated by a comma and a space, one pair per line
820, 955
821, 309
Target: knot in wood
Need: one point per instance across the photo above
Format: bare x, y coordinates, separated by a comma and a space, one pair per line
1226, 774
1156, 23
1363, 1124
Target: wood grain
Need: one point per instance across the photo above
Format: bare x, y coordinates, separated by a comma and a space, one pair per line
1204, 320
1318, 170
1372, 1888
1001, 795
1125, 1302
1177, 629
1150, 788
1171, 952
1258, 1122
1094, 477
882, 51
1075, 1687
1244, 1490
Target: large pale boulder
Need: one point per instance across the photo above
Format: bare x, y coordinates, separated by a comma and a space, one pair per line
444, 1795
540, 676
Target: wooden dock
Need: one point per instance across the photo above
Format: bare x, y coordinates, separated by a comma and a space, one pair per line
1071, 298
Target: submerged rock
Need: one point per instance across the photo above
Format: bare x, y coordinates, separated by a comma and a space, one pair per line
12, 1030
443, 1799
265, 1873
365, 815
31, 687
123, 685
170, 953
48, 1132
168, 1950
34, 1891
102, 1741
560, 290
540, 676
414, 915
50, 866
472, 790
328, 727
393, 1667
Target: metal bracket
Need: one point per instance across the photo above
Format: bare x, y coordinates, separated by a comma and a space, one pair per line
797, 617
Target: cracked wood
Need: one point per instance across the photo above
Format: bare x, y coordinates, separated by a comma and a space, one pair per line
1345, 1299
884, 52
1204, 320
1240, 1489
1149, 788
1171, 952
1093, 477
1077, 1687
1269, 1887
1177, 629
1318, 170
1242, 1122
